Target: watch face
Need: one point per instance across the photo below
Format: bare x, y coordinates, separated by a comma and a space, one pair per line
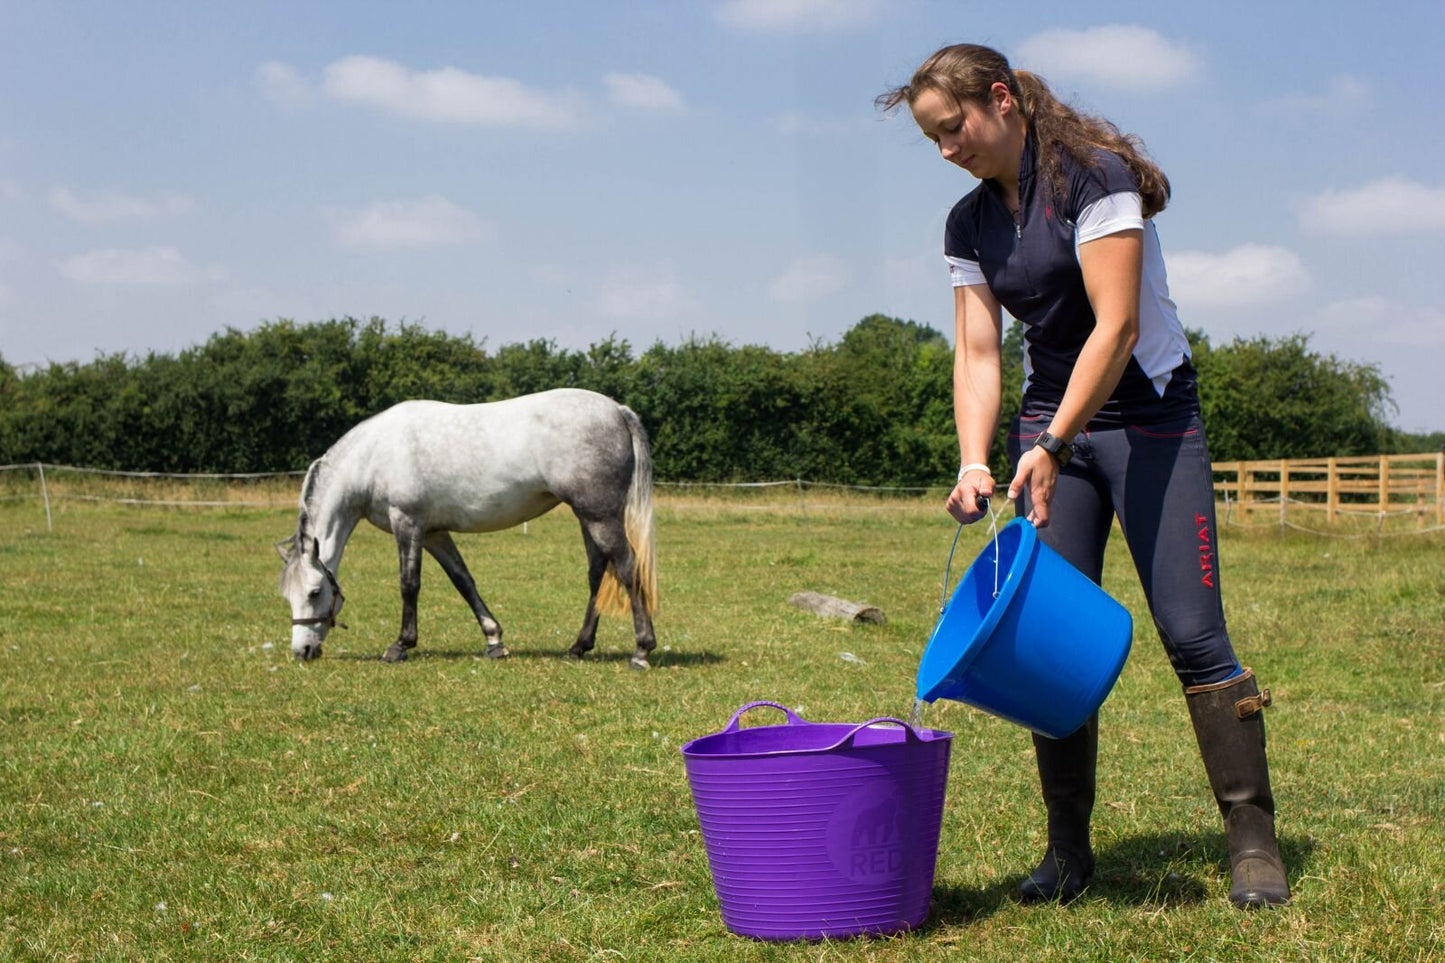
1056, 447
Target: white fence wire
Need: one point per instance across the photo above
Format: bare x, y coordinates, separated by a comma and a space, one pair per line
48, 494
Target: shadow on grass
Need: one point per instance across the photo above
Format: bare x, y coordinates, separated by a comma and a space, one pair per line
962, 905
659, 660
1135, 871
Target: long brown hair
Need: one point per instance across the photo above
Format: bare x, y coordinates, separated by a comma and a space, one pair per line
967, 72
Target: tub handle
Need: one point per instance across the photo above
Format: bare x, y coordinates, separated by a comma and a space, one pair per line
909, 731
793, 718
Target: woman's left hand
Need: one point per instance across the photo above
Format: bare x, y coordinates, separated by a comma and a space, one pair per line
1038, 472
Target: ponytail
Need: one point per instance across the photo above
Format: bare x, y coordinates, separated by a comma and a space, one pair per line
1058, 129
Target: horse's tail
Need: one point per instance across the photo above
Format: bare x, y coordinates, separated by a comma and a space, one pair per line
637, 519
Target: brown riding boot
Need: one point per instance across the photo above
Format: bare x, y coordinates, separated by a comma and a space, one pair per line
1066, 775
1229, 724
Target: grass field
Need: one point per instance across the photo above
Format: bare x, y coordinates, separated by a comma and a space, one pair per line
174, 786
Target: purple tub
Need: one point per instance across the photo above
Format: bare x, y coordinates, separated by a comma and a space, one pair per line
820, 830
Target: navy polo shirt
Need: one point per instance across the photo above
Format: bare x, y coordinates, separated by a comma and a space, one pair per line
1032, 269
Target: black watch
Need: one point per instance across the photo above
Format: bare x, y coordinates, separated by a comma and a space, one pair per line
1057, 447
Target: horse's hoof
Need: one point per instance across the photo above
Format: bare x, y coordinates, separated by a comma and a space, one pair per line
576, 654
638, 662
395, 653
498, 651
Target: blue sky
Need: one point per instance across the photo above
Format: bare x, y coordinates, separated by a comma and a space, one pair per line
655, 170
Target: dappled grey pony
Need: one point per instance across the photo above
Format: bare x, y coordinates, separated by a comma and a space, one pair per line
423, 469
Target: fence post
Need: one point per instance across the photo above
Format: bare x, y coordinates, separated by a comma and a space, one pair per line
1332, 490
1440, 488
1284, 493
1384, 486
45, 496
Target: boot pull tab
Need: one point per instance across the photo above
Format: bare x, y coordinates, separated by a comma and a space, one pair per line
1251, 705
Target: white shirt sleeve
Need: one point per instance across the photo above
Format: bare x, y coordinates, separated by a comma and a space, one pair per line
963, 272
1110, 215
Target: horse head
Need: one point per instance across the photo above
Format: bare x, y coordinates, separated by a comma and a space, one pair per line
312, 591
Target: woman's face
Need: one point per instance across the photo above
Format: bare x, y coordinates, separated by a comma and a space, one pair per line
979, 136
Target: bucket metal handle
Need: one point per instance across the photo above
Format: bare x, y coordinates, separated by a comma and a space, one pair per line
793, 718
948, 566
909, 731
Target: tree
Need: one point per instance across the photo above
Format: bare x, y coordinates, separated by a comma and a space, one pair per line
875, 408
1265, 398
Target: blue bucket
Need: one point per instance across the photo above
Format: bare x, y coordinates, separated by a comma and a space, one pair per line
1027, 637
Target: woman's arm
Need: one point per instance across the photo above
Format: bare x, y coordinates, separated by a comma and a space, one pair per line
1112, 267
977, 387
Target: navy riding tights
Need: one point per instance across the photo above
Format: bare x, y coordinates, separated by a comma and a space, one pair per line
1157, 481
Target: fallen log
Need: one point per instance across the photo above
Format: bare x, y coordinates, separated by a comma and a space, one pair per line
831, 607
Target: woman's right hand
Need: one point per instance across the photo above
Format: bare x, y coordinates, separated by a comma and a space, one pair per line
968, 502
1038, 473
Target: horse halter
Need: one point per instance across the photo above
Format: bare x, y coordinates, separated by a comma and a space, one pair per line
337, 600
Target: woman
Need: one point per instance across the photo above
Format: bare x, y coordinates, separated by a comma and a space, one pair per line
1060, 233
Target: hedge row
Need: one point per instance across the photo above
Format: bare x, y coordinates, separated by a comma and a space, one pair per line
872, 409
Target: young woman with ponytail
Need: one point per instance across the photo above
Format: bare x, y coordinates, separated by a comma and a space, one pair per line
1060, 233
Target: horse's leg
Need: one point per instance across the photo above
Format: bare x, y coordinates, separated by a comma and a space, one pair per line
610, 537
408, 548
596, 565
641, 617
445, 551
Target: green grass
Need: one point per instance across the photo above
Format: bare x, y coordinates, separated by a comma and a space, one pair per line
174, 786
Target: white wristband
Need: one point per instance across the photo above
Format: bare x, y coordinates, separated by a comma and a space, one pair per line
976, 466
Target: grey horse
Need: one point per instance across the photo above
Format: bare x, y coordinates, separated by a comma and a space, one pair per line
424, 469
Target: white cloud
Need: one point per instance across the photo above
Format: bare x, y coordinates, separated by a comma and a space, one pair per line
447, 95
388, 225
921, 272
280, 83
1249, 274
1389, 322
152, 266
1386, 206
786, 16
1345, 94
112, 206
632, 298
642, 90
809, 279
1117, 55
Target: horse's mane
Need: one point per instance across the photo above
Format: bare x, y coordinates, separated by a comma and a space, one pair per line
290, 547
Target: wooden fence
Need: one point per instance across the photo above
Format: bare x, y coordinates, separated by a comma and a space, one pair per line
1377, 486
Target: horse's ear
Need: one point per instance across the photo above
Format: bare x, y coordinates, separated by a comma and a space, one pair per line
285, 547
315, 546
